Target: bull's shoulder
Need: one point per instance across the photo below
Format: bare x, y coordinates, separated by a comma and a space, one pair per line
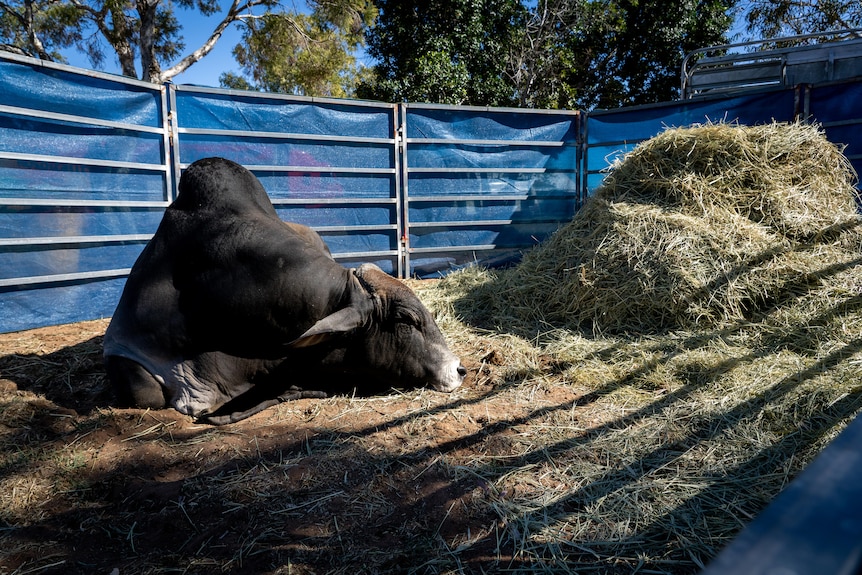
309, 236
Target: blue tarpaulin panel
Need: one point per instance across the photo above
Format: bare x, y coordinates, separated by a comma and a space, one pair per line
837, 109
328, 164
483, 185
84, 178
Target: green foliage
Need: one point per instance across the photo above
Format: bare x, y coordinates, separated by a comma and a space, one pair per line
618, 52
649, 46
447, 51
302, 54
554, 54
39, 28
775, 18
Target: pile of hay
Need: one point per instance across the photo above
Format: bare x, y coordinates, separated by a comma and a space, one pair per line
703, 226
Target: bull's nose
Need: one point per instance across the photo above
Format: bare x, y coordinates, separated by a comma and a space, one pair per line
451, 376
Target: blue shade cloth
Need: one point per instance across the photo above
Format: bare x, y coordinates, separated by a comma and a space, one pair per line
252, 151
302, 184
483, 185
470, 124
641, 123
322, 215
39, 180
423, 184
60, 302
74, 92
527, 210
81, 193
72, 258
254, 112
84, 179
22, 135
837, 109
610, 134
73, 221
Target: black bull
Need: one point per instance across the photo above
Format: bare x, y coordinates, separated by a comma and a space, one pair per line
228, 310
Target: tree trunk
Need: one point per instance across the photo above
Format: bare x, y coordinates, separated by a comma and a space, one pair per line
233, 14
150, 68
118, 37
32, 37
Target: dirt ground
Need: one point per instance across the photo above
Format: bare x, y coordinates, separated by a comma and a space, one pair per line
562, 453
341, 485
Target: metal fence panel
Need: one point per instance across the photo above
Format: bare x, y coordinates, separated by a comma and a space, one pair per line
836, 108
88, 163
84, 178
328, 164
484, 184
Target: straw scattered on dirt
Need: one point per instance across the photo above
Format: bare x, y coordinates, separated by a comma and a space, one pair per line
594, 434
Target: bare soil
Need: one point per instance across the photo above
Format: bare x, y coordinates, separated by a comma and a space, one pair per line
340, 485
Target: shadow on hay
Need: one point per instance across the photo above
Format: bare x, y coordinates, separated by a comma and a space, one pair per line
723, 506
288, 501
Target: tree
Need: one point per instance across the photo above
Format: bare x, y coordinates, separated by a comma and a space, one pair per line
649, 46
39, 28
587, 53
777, 18
556, 54
144, 35
565, 48
446, 51
303, 54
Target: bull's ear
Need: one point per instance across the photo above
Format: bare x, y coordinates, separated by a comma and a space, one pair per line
340, 322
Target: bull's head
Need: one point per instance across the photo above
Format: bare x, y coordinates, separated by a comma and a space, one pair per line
394, 337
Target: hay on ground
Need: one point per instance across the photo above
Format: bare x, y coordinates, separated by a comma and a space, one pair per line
702, 226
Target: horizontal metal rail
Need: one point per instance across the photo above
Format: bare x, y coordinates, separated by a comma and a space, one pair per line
484, 171
62, 203
490, 198
285, 136
532, 111
83, 120
331, 201
311, 169
446, 249
368, 254
479, 223
62, 278
74, 240
361, 228
48, 65
71, 160
500, 143
285, 97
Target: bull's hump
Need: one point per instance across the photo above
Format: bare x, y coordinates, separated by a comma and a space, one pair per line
220, 185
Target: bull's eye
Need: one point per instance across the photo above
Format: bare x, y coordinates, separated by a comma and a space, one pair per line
408, 317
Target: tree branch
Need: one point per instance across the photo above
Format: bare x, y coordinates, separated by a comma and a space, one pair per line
233, 14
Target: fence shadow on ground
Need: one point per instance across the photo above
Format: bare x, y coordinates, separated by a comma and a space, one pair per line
493, 479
